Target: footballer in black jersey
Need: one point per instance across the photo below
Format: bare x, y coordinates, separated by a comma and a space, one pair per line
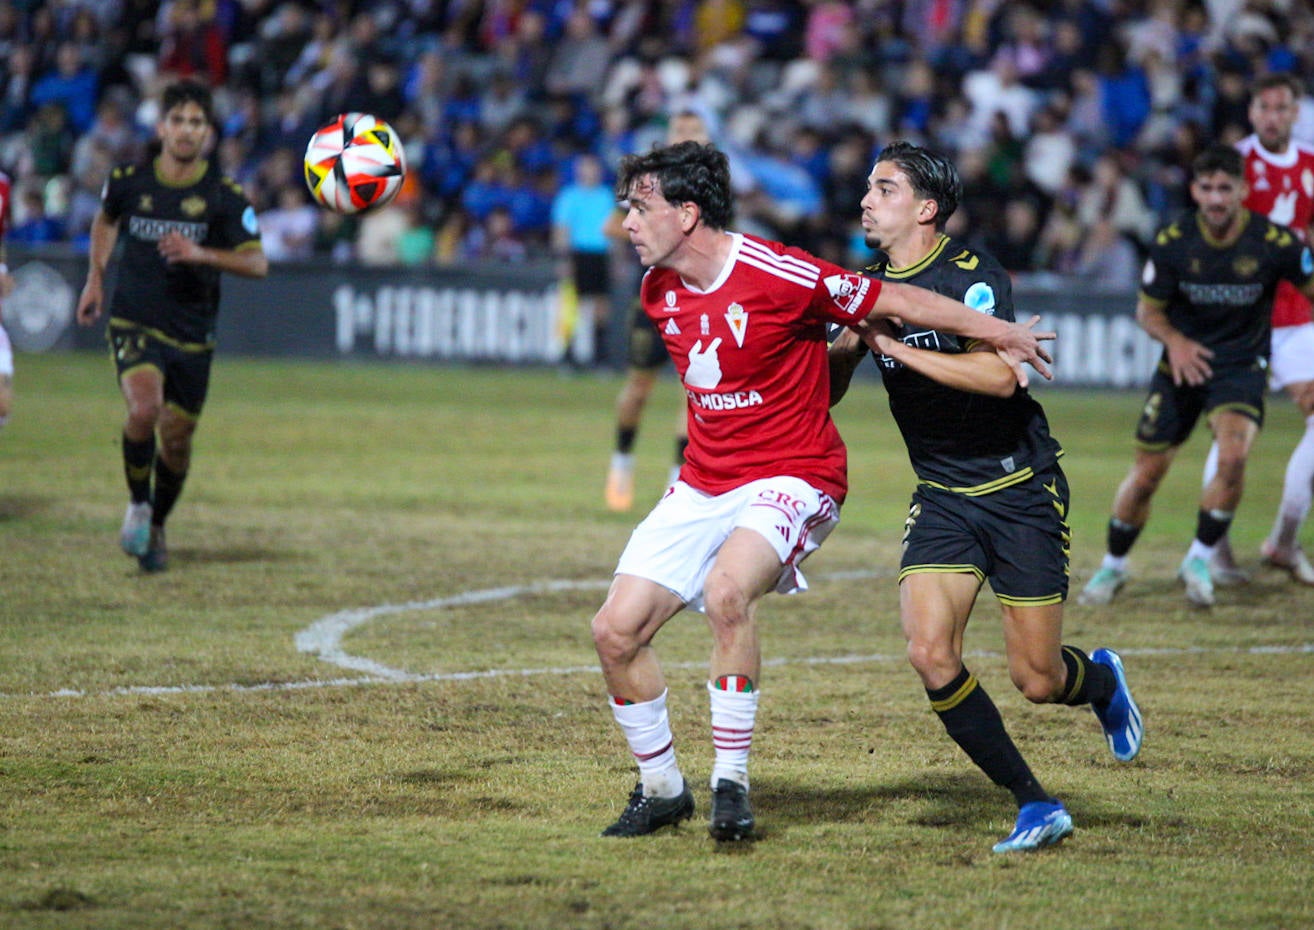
1207, 296
966, 442
181, 224
991, 501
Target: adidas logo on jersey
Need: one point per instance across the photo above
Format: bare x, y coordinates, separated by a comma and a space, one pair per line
671, 329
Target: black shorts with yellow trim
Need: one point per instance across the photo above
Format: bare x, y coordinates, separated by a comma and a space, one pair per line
1016, 537
185, 366
1171, 411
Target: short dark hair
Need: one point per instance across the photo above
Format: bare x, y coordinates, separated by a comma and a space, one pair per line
688, 172
1277, 79
1218, 157
188, 91
932, 176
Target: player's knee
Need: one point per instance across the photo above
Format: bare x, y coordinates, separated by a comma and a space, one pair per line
726, 603
144, 414
615, 644
933, 660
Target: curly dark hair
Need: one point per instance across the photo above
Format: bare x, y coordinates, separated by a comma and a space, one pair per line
1218, 157
932, 176
687, 172
188, 91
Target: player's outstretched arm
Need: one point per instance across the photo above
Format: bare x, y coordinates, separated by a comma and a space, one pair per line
979, 372
1017, 343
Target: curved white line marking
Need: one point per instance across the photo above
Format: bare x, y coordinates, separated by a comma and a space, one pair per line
323, 638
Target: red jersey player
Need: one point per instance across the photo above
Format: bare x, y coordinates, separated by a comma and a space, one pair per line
744, 321
1280, 178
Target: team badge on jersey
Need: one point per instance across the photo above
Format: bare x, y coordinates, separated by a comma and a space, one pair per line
847, 290
981, 298
737, 317
193, 207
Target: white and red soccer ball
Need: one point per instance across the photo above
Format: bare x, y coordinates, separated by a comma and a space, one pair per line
354, 163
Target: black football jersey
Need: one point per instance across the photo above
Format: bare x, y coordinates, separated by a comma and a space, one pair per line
1220, 293
180, 300
970, 443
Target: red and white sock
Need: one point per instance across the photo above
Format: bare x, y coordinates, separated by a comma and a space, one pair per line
647, 729
734, 712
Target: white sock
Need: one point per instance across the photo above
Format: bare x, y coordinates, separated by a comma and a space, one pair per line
733, 716
622, 461
1115, 562
1297, 493
1199, 550
647, 729
1210, 465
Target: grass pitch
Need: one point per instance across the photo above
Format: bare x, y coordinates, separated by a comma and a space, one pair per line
170, 758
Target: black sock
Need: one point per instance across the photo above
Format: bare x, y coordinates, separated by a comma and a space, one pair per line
625, 436
1088, 682
1121, 537
973, 722
1211, 525
137, 460
168, 487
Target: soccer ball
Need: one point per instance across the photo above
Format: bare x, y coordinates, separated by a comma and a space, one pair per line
354, 163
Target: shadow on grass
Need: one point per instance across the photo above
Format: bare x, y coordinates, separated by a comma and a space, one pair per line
233, 555
959, 800
22, 506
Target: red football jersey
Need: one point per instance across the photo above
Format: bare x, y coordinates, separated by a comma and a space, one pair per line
751, 352
5, 189
1282, 189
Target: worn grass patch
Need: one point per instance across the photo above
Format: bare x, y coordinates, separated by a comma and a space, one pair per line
168, 758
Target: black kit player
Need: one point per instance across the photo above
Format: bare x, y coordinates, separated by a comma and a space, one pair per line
1207, 295
990, 503
182, 223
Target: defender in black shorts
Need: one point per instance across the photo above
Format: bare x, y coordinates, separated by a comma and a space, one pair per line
182, 223
1207, 295
991, 501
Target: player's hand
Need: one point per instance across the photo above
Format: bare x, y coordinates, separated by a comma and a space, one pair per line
89, 304
175, 247
1189, 362
1022, 346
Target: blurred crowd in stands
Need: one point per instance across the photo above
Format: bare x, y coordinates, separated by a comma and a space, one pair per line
1072, 121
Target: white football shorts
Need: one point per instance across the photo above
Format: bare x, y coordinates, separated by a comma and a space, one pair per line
676, 544
1291, 359
6, 355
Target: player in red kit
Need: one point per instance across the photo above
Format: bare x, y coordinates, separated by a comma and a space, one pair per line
744, 320
1280, 178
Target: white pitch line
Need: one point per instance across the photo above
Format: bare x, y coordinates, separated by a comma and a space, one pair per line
323, 638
